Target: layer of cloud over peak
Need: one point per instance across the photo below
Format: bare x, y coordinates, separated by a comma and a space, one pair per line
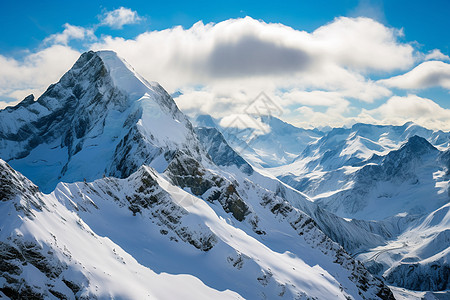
323, 77
331, 57
119, 17
396, 111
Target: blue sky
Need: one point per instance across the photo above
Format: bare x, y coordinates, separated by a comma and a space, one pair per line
29, 22
412, 35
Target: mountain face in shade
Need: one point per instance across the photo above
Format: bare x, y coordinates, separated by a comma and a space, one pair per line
219, 150
138, 202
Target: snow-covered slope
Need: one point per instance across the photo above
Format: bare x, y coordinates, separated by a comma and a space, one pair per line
323, 164
352, 235
48, 252
181, 234
355, 182
418, 259
138, 237
100, 111
397, 176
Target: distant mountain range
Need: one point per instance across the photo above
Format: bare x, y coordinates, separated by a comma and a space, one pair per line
391, 180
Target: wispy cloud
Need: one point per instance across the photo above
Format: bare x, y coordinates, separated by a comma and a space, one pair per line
33, 74
397, 110
70, 32
427, 74
119, 17
436, 54
369, 8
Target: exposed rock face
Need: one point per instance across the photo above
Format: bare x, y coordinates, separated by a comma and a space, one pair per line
19, 190
24, 261
186, 172
219, 150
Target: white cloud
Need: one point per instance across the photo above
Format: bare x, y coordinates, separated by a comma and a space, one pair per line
436, 54
244, 121
220, 68
235, 60
313, 98
363, 44
70, 33
33, 74
399, 110
307, 117
119, 17
238, 51
318, 108
222, 99
427, 74
396, 111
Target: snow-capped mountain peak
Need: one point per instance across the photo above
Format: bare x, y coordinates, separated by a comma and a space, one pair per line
418, 145
123, 75
101, 118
